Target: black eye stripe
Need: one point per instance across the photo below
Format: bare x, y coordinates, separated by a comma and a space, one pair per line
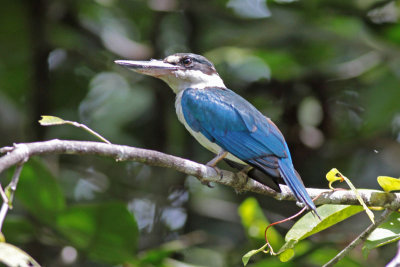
203, 62
197, 62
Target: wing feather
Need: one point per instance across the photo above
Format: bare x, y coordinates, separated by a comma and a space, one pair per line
233, 123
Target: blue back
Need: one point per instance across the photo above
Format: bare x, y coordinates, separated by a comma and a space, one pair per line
230, 121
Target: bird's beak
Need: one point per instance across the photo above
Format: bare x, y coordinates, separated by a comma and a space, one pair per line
154, 68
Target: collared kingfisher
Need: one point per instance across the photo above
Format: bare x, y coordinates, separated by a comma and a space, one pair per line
224, 122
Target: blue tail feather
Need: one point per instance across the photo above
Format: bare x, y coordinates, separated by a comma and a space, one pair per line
295, 184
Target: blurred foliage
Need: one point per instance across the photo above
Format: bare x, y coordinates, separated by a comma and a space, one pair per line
327, 72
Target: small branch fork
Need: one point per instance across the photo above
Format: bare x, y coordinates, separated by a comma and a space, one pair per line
362, 237
8, 194
21, 152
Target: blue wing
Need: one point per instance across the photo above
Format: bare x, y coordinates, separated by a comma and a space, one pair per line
228, 120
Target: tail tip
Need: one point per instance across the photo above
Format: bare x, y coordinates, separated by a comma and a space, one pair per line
316, 215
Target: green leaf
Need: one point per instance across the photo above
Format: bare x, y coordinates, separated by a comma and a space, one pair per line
389, 183
388, 232
51, 120
18, 229
330, 215
309, 225
254, 221
286, 255
39, 191
11, 255
248, 255
288, 245
107, 232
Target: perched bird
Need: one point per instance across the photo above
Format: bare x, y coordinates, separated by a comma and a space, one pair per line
224, 122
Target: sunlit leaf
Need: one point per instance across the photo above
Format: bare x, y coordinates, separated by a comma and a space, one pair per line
107, 232
334, 175
286, 255
288, 245
254, 221
13, 256
309, 225
389, 183
386, 233
51, 120
248, 255
330, 215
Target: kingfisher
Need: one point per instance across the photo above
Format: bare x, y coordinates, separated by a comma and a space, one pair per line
224, 122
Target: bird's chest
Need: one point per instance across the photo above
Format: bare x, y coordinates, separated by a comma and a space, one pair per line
213, 147
197, 135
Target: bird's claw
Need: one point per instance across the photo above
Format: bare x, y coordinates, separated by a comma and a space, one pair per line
245, 173
217, 170
243, 178
208, 184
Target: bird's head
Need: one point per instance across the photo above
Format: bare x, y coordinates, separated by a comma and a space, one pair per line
179, 71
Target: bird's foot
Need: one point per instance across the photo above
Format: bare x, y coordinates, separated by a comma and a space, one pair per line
216, 169
244, 172
212, 163
220, 156
243, 178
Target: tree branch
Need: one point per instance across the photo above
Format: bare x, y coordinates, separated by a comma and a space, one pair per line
19, 152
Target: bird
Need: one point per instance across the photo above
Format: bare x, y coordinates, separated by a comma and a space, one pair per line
224, 122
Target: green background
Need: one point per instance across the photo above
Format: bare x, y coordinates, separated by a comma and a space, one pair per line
326, 72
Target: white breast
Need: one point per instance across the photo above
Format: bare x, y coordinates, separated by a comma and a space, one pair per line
213, 147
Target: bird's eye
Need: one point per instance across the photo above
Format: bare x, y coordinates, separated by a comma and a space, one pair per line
187, 61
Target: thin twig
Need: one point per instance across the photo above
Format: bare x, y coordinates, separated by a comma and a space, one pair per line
53, 121
10, 190
3, 213
3, 194
14, 182
83, 126
279, 222
285, 220
363, 236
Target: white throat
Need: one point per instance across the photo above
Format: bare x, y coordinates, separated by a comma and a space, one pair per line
181, 79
